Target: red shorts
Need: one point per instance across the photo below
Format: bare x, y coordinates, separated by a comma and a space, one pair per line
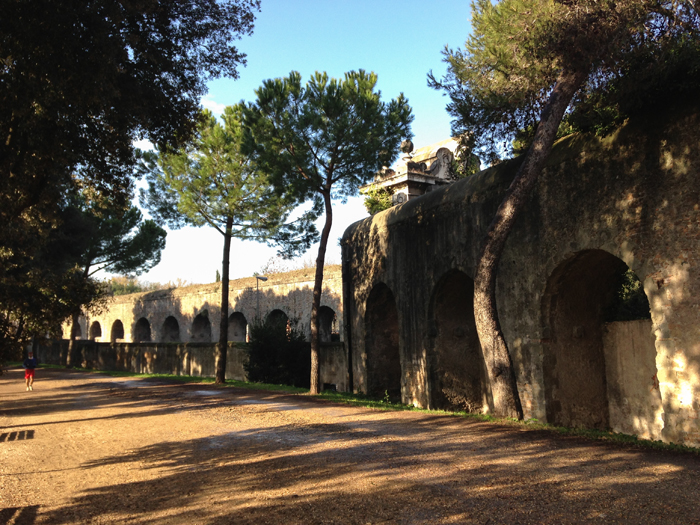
28, 373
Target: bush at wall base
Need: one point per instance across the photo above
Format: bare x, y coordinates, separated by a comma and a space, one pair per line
278, 354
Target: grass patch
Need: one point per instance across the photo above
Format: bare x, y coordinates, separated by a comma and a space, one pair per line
206, 380
362, 400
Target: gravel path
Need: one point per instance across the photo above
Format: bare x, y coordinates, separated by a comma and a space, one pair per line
87, 448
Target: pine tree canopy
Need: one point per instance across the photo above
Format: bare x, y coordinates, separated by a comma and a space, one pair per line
630, 52
209, 181
329, 135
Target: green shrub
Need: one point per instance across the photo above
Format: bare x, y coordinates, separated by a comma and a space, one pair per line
278, 354
630, 302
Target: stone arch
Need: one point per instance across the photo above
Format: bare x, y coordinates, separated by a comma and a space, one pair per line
237, 327
382, 344
171, 330
277, 316
95, 330
328, 325
117, 331
201, 328
142, 331
457, 369
592, 361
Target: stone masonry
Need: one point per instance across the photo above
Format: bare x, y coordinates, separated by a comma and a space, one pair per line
192, 313
602, 205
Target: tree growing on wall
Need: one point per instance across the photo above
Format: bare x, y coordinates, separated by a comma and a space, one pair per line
321, 142
210, 182
523, 65
377, 198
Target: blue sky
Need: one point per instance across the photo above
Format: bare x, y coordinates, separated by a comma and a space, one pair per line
401, 41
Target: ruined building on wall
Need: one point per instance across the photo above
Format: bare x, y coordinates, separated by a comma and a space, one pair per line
419, 171
192, 313
602, 206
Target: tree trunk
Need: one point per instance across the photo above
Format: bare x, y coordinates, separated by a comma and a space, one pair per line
318, 288
72, 355
20, 330
222, 345
498, 360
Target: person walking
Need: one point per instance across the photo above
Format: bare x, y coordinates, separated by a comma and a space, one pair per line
29, 365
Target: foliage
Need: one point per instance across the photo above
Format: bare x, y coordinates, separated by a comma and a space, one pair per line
330, 136
118, 240
278, 354
321, 142
124, 285
633, 51
37, 293
377, 198
276, 265
465, 163
79, 82
630, 302
211, 181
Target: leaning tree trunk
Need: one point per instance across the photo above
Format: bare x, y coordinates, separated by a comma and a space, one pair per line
498, 360
222, 345
318, 288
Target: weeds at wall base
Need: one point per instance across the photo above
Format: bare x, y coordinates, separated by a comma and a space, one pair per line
530, 424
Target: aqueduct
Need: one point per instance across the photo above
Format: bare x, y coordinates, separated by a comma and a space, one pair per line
191, 314
603, 205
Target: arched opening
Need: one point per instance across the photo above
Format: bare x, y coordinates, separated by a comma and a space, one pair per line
328, 325
117, 331
171, 330
276, 317
95, 330
201, 328
599, 355
237, 327
457, 368
142, 331
382, 344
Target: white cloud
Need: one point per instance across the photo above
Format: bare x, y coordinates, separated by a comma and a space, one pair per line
214, 106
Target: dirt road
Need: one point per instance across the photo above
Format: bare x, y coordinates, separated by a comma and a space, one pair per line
87, 448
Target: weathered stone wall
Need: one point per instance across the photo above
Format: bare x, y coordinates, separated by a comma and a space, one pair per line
333, 364
191, 359
191, 314
631, 198
632, 384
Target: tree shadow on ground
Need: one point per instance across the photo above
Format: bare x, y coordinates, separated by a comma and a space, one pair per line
398, 467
